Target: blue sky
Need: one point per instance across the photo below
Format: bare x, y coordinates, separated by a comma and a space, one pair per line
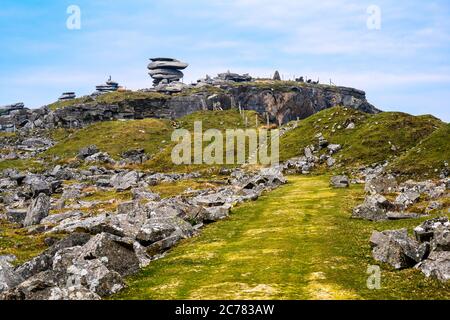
404, 66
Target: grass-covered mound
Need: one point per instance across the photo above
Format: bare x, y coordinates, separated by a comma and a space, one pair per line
108, 98
221, 120
114, 137
374, 139
428, 157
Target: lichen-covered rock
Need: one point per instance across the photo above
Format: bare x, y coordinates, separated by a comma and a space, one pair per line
396, 248
8, 277
381, 184
339, 182
38, 210
437, 265
374, 208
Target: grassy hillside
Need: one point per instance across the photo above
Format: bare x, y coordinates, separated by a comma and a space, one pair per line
114, 137
375, 138
222, 120
428, 155
108, 98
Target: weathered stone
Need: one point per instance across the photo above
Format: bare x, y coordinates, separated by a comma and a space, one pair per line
396, 248
87, 151
8, 277
119, 253
213, 214
340, 182
125, 181
381, 184
16, 215
425, 232
374, 208
38, 210
437, 265
334, 148
406, 199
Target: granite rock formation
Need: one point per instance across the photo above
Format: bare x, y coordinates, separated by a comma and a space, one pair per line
67, 96
110, 86
166, 70
281, 104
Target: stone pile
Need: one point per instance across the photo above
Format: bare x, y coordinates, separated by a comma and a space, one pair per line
102, 248
5, 110
377, 207
166, 70
110, 86
67, 96
428, 252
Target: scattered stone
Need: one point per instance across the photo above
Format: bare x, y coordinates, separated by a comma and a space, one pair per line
340, 182
38, 210
437, 265
87, 152
374, 208
394, 247
381, 184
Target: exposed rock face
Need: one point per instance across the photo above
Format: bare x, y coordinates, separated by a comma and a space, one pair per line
282, 105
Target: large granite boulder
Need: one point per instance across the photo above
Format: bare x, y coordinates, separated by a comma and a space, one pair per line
38, 210
381, 184
396, 248
374, 208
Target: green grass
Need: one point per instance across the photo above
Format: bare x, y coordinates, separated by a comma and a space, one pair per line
115, 137
368, 143
108, 98
221, 120
297, 242
428, 155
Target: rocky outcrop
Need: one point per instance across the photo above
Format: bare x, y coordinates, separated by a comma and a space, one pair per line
281, 104
429, 252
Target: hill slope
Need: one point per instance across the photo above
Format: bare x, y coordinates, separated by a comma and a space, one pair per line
374, 139
427, 156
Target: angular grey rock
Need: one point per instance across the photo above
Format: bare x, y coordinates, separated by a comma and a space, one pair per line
437, 265
425, 232
340, 182
119, 253
213, 214
374, 208
8, 277
406, 199
331, 161
38, 210
334, 148
394, 247
125, 181
381, 184
87, 151
16, 215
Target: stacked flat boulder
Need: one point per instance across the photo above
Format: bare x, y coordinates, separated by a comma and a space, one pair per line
166, 70
67, 96
110, 86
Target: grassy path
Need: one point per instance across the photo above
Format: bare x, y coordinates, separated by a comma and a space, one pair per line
295, 243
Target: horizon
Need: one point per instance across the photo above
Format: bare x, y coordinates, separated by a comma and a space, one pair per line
402, 64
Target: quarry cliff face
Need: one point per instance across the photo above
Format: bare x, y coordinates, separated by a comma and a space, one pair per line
280, 103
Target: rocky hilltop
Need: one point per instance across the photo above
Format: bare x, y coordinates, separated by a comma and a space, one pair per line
280, 101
